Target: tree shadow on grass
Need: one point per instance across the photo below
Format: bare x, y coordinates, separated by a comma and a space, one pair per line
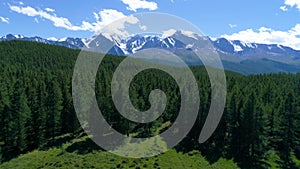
57, 142
83, 147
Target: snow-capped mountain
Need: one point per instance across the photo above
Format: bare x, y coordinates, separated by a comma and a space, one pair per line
75, 43
232, 49
246, 50
236, 55
138, 42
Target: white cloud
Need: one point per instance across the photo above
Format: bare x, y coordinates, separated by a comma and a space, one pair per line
107, 16
283, 8
133, 5
143, 27
117, 29
103, 18
97, 17
232, 25
21, 3
5, 20
264, 35
49, 10
36, 20
57, 21
292, 3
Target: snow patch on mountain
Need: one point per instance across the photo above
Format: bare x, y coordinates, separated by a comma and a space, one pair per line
189, 34
171, 41
236, 47
52, 39
62, 39
249, 45
85, 42
19, 36
168, 33
280, 47
189, 46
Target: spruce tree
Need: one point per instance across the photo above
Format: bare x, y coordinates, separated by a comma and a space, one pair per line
53, 108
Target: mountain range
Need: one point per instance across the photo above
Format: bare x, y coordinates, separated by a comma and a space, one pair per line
238, 56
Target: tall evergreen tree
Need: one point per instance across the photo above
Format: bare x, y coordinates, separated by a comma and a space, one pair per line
286, 135
4, 103
53, 108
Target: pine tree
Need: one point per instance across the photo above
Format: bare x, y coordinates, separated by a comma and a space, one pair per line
286, 136
253, 138
4, 103
21, 113
53, 108
69, 121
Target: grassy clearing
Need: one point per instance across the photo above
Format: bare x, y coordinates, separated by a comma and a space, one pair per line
66, 157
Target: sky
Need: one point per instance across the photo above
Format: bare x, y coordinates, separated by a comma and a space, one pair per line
261, 21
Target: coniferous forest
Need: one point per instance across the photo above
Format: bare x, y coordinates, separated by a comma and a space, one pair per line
260, 127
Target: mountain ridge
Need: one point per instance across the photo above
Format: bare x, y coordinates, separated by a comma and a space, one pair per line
246, 58
73, 42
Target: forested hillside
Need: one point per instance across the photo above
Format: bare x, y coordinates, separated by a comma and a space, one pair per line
260, 127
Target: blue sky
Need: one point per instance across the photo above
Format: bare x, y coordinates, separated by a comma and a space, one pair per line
276, 21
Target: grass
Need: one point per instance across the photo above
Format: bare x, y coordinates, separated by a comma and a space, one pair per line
83, 153
66, 157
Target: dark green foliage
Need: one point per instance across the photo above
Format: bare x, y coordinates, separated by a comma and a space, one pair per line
35, 96
262, 112
53, 109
